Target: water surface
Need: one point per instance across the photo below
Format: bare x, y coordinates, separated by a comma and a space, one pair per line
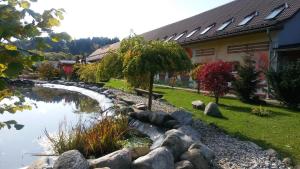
49, 107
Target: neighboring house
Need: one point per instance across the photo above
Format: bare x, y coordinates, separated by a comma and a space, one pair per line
101, 52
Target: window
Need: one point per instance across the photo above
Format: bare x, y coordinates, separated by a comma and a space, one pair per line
225, 24
192, 33
179, 36
170, 38
207, 29
276, 12
248, 18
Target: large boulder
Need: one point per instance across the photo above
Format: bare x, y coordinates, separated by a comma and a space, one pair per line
212, 109
137, 152
184, 165
72, 159
183, 117
198, 104
191, 132
156, 118
207, 153
116, 160
160, 158
196, 158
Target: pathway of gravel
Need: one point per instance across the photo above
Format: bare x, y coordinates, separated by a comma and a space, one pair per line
231, 153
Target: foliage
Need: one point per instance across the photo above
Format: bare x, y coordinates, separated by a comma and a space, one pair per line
47, 71
84, 46
215, 77
261, 111
282, 128
96, 139
194, 74
109, 66
143, 59
86, 72
56, 56
285, 84
245, 84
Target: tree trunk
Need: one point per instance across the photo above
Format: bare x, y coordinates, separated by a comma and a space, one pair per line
150, 91
217, 99
198, 87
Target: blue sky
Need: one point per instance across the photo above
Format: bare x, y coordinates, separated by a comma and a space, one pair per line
115, 18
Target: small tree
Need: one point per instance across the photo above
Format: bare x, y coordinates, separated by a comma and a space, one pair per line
194, 74
246, 82
285, 84
47, 71
215, 77
148, 58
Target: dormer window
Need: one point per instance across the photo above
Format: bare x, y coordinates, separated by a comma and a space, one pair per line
179, 36
207, 29
192, 33
248, 18
225, 24
168, 39
276, 12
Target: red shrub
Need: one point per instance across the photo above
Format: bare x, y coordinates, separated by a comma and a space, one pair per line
214, 78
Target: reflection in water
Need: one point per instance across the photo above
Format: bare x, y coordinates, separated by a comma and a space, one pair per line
49, 107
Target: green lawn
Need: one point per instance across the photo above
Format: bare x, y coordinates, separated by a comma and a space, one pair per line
281, 131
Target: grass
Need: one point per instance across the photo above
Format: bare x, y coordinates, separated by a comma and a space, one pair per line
280, 131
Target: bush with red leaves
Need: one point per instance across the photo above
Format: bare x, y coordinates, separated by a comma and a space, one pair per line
214, 78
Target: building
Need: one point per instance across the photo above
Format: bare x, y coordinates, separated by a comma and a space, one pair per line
101, 52
266, 30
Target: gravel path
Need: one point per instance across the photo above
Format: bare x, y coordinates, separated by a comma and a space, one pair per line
231, 153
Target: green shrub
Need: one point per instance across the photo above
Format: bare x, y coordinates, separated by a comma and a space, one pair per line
87, 72
109, 66
245, 84
102, 137
261, 111
47, 71
285, 84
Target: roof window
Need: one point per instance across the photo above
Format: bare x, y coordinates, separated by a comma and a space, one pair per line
193, 32
225, 24
207, 29
168, 39
248, 18
179, 36
276, 11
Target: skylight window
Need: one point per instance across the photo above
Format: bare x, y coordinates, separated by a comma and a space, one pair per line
225, 24
207, 29
170, 38
248, 18
179, 36
276, 12
192, 33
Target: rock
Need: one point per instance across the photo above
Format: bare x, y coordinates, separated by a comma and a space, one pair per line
297, 167
198, 104
208, 154
212, 109
287, 161
140, 106
142, 116
137, 152
271, 152
72, 159
182, 117
160, 158
170, 124
111, 96
123, 109
158, 118
102, 168
116, 160
41, 163
196, 158
94, 88
184, 165
191, 132
128, 101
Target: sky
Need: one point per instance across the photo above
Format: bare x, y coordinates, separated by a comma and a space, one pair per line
116, 18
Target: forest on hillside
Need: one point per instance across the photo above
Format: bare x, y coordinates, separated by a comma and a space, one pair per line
68, 49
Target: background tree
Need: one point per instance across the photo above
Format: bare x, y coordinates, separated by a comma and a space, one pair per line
144, 59
285, 84
245, 84
215, 77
